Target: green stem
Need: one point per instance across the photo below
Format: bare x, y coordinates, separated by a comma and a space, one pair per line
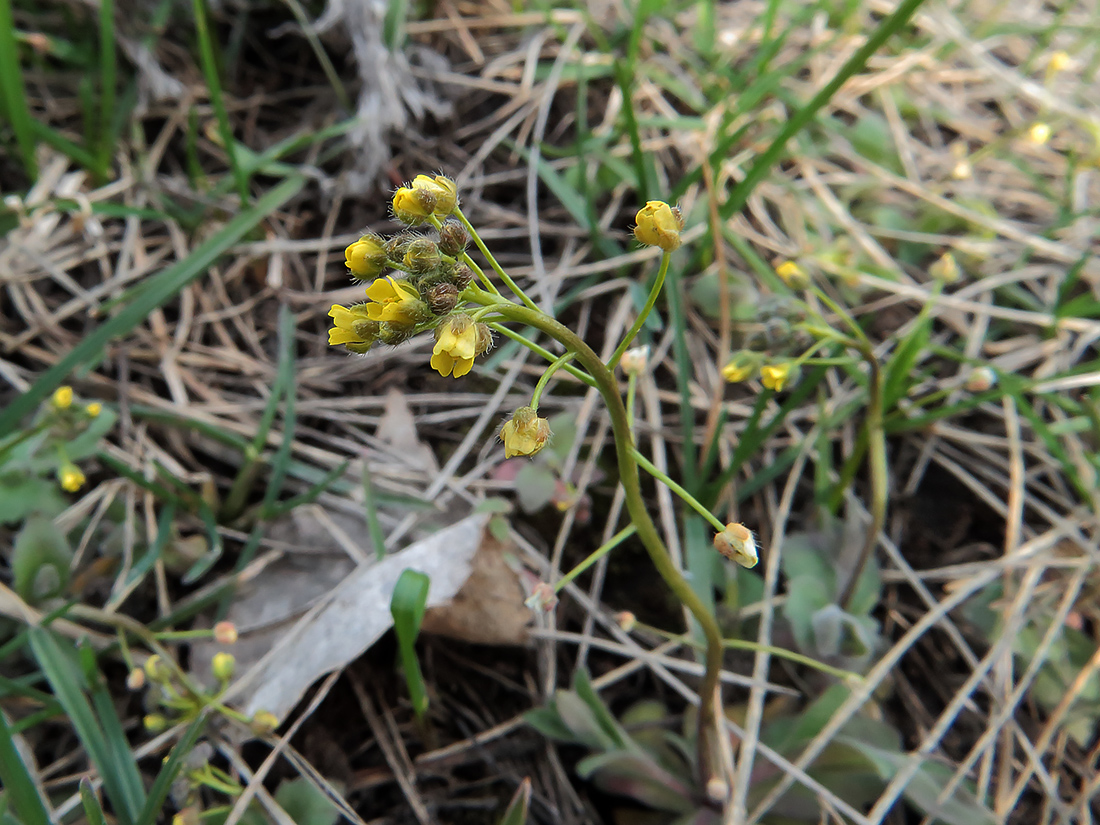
541, 385
631, 391
650, 302
595, 556
688, 498
878, 471
497, 268
545, 353
711, 726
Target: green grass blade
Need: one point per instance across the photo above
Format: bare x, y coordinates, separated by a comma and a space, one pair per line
740, 195
161, 288
13, 92
286, 379
172, 765
63, 677
407, 604
516, 812
93, 811
21, 791
107, 81
208, 56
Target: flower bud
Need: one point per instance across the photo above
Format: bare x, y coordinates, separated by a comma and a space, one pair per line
157, 670
70, 477
981, 379
737, 544
635, 360
155, 723
453, 238
525, 433
793, 275
135, 679
395, 247
777, 376
366, 258
225, 633
484, 341
62, 398
659, 224
412, 206
945, 269
626, 621
222, 666
94, 409
394, 334
422, 256
264, 722
442, 298
461, 276
741, 367
542, 599
443, 190
1060, 62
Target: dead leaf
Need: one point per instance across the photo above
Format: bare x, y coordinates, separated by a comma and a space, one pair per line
348, 619
489, 608
397, 427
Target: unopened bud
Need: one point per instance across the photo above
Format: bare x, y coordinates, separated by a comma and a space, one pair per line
793, 275
542, 598
442, 298
945, 269
634, 361
461, 276
157, 670
225, 633
981, 379
135, 679
1059, 62
264, 722
155, 723
737, 544
422, 256
222, 666
453, 238
626, 621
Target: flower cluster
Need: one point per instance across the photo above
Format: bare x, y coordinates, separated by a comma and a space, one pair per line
424, 289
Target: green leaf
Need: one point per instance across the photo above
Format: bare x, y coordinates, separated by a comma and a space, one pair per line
516, 812
305, 803
119, 773
637, 776
93, 810
22, 493
158, 290
22, 793
407, 604
40, 560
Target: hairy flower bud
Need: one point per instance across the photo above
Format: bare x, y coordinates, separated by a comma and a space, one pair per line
394, 334
225, 633
635, 360
264, 722
422, 256
461, 276
525, 433
659, 224
442, 298
736, 543
453, 238
366, 258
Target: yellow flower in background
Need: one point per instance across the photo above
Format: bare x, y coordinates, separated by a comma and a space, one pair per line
456, 345
658, 224
62, 398
741, 367
775, 376
945, 268
353, 328
71, 478
1059, 62
793, 275
525, 433
1039, 133
94, 409
394, 301
366, 258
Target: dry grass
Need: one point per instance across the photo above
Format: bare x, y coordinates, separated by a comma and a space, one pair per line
976, 82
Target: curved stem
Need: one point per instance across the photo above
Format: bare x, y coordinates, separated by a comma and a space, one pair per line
711, 729
545, 353
541, 385
651, 301
497, 268
687, 497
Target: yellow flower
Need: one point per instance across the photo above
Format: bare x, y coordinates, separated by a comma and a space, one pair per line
1059, 62
455, 346
222, 666
775, 376
737, 544
945, 269
394, 301
1039, 133
94, 409
366, 258
793, 275
425, 196
525, 433
62, 398
740, 368
353, 328
658, 224
70, 477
